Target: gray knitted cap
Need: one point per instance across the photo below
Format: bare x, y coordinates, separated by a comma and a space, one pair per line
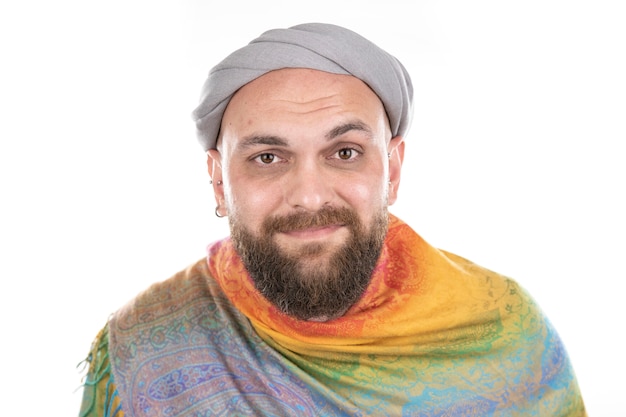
318, 46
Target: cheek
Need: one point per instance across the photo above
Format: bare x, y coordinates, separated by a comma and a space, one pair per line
366, 195
249, 204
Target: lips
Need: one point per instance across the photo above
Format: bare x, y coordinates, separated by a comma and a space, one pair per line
313, 232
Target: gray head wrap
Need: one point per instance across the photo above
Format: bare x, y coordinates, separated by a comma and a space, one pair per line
316, 46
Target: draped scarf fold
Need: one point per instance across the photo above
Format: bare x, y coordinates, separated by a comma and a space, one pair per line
432, 330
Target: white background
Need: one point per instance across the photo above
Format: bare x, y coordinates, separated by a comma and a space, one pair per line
514, 160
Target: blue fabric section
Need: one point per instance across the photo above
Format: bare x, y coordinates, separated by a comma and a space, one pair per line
206, 359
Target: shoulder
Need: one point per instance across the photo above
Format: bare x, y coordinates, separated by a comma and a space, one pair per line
162, 299
170, 316
483, 282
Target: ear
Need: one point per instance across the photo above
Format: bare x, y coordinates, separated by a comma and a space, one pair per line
395, 150
214, 166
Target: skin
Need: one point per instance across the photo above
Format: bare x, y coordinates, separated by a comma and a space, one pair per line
300, 139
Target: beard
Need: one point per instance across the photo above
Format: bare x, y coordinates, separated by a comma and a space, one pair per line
305, 284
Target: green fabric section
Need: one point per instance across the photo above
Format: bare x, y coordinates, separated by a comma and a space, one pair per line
100, 397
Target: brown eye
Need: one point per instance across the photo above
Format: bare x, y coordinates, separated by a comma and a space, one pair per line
345, 153
267, 158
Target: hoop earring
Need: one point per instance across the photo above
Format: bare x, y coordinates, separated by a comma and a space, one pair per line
217, 213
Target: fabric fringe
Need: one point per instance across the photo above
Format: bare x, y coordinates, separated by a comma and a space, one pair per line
100, 397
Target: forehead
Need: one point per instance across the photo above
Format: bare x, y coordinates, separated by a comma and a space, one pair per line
302, 98
301, 83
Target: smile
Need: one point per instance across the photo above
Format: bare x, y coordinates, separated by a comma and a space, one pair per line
314, 233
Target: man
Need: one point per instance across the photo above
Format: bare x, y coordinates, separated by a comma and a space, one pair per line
321, 302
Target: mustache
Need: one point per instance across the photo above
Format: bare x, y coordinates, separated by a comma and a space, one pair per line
326, 216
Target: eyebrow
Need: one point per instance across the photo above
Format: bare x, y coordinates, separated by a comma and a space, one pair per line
262, 140
347, 127
335, 132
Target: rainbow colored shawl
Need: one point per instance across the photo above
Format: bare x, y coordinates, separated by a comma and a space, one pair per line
434, 335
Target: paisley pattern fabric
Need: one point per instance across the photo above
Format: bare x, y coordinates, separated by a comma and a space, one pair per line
434, 335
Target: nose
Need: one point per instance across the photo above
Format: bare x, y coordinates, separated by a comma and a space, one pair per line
308, 186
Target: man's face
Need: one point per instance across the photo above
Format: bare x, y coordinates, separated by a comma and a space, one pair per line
308, 167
